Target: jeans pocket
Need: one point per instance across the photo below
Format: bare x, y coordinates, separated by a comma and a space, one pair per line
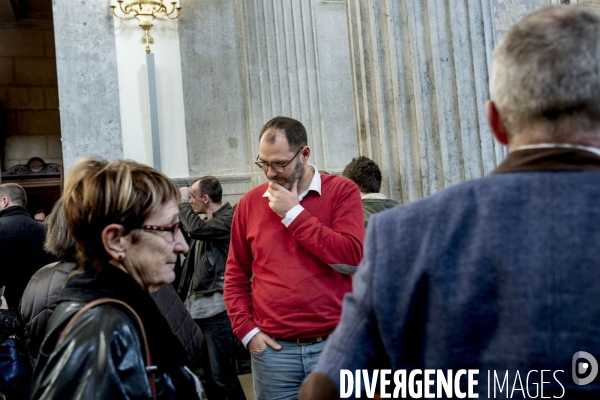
260, 352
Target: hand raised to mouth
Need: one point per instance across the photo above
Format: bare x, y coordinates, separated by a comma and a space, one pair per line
282, 200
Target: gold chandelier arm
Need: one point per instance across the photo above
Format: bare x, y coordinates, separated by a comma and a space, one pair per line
125, 14
159, 10
175, 9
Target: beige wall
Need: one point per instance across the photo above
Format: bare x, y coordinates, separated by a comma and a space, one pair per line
29, 94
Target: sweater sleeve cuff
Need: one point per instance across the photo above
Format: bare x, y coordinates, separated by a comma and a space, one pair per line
249, 336
291, 215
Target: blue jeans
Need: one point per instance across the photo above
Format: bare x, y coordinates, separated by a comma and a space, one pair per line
278, 374
218, 373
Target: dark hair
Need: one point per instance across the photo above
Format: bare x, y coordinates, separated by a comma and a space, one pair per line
14, 192
365, 173
212, 187
41, 210
294, 131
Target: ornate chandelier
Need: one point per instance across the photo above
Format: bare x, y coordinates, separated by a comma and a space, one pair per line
145, 11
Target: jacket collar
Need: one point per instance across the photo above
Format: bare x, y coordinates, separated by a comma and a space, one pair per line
550, 158
225, 207
14, 210
166, 350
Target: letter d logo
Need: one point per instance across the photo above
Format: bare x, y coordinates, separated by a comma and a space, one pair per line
583, 367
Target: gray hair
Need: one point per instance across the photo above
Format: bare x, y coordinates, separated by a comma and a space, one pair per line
546, 73
59, 241
14, 192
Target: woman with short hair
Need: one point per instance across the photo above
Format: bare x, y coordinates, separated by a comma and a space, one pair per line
124, 217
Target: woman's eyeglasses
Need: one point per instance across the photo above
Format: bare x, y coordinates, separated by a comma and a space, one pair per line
173, 228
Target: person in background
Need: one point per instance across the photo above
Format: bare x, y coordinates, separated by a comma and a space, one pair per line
124, 217
15, 370
40, 216
41, 294
21, 243
202, 283
366, 174
498, 275
282, 294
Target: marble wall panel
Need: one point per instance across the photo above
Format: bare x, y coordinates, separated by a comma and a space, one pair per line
507, 12
420, 76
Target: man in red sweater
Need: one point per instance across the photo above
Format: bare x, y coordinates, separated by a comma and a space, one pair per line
288, 233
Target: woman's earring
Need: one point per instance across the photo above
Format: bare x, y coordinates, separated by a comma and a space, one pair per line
121, 256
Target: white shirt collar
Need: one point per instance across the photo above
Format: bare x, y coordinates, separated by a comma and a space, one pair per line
315, 185
594, 150
378, 196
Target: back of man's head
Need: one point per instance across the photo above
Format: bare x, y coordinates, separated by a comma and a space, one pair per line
14, 193
294, 131
211, 186
546, 74
365, 173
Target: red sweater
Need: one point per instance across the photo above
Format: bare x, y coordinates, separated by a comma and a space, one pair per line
294, 293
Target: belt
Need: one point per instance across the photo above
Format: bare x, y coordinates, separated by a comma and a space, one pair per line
305, 341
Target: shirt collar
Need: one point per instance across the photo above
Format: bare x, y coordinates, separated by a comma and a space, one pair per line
550, 157
314, 185
594, 150
377, 196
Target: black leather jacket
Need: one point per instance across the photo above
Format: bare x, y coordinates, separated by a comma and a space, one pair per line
101, 357
41, 297
204, 265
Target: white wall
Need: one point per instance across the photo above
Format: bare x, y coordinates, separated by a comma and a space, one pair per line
133, 94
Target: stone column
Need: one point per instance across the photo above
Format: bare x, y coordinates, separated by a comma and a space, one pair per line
420, 73
247, 61
87, 80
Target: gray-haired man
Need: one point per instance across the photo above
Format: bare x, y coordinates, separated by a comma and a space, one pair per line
497, 276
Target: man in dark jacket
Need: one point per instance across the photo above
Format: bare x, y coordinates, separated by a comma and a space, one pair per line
21, 243
366, 174
202, 283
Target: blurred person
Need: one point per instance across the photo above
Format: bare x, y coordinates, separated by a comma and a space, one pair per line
124, 218
202, 283
41, 294
366, 174
500, 274
40, 216
282, 294
21, 243
15, 370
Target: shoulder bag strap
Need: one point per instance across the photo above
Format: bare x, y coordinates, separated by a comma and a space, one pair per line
150, 369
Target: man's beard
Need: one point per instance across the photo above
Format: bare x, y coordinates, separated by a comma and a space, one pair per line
289, 182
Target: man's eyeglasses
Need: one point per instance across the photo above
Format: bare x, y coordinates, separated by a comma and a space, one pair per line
276, 166
173, 228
